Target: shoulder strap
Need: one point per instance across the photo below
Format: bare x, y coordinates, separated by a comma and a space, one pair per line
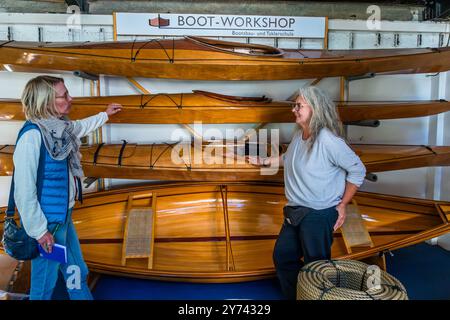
79, 189
10, 211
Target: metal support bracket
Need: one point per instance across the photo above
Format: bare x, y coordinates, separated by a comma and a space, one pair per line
88, 181
360, 77
364, 123
371, 177
85, 75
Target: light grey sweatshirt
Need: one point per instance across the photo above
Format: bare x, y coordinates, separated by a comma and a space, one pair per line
317, 179
26, 161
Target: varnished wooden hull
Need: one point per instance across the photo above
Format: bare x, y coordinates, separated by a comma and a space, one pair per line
181, 161
165, 108
382, 110
209, 107
204, 59
193, 230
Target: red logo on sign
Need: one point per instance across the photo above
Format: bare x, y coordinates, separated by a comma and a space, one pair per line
158, 22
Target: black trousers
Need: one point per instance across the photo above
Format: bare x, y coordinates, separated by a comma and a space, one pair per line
309, 237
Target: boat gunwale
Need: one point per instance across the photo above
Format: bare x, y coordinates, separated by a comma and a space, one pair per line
416, 238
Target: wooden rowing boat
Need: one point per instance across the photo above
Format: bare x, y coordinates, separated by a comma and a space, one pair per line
211, 107
214, 232
206, 59
180, 161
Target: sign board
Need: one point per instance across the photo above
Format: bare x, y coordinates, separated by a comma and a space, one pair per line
160, 24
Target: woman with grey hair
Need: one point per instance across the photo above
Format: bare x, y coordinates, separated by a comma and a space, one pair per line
321, 175
46, 181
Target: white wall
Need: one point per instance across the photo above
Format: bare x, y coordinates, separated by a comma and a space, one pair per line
422, 182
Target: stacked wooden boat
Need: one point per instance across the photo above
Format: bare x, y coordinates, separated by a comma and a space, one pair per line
221, 223
225, 232
209, 107
210, 162
206, 59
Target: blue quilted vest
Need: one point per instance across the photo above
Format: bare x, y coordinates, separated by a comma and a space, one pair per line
52, 182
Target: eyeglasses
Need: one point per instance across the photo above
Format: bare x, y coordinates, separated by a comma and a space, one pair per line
65, 96
296, 106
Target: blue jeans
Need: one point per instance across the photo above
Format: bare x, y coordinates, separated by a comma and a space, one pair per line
311, 240
44, 272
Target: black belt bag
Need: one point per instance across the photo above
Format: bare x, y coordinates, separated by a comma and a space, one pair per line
295, 214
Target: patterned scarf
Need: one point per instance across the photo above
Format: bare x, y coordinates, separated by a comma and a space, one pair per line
62, 142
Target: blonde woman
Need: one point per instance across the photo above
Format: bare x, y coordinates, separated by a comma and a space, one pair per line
321, 175
46, 181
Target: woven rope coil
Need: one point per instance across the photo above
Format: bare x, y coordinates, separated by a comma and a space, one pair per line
347, 280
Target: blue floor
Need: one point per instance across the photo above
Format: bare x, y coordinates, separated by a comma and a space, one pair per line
423, 269
109, 287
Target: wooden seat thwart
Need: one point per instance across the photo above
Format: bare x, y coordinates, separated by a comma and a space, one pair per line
446, 211
139, 233
354, 232
356, 236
